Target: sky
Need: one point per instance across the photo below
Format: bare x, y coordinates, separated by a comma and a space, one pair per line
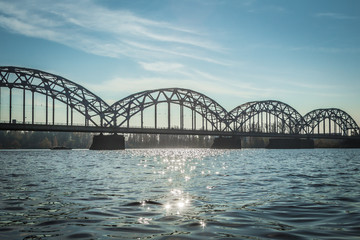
305, 53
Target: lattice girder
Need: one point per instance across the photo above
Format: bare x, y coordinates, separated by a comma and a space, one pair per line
201, 104
289, 118
74, 95
337, 116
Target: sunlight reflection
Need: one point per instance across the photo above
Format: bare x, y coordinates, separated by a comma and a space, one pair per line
176, 192
177, 203
145, 221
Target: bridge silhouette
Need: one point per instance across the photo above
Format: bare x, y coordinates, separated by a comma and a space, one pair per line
35, 100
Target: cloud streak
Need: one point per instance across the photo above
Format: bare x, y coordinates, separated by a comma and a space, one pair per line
97, 30
338, 16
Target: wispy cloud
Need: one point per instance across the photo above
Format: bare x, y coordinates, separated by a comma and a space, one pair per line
161, 66
98, 30
333, 15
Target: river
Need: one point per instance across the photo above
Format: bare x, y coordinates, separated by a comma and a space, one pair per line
180, 194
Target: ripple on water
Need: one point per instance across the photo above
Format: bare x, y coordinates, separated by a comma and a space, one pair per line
180, 194
81, 235
52, 222
282, 235
14, 208
133, 230
103, 214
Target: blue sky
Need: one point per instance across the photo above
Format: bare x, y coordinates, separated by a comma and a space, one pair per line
305, 53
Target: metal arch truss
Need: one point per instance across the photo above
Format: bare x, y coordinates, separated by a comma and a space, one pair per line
258, 116
57, 88
335, 120
267, 117
210, 111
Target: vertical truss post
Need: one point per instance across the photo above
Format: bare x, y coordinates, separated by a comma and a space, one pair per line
234, 124
53, 110
86, 116
267, 123
10, 104
128, 117
181, 116
155, 115
72, 120
206, 123
67, 111
250, 127
329, 125
169, 115
194, 119
142, 117
324, 125
24, 105
32, 106
46, 108
203, 120
270, 122
290, 126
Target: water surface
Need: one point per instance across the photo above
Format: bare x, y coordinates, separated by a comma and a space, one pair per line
180, 194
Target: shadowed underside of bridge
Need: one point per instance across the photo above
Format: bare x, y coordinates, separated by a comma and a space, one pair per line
35, 100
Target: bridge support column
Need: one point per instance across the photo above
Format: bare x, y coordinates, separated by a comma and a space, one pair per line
108, 142
227, 143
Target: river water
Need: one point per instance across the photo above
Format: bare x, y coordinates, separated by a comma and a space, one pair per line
180, 194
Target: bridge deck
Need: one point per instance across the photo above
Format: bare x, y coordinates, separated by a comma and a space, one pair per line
96, 129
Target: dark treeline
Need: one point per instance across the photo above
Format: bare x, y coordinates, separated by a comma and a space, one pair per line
35, 140
45, 140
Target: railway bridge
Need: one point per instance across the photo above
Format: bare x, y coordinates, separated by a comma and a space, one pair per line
34, 100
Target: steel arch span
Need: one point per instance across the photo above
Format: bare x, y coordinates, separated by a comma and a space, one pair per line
330, 121
209, 110
75, 96
267, 116
183, 106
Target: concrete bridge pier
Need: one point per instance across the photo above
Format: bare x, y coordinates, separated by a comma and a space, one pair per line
227, 143
108, 142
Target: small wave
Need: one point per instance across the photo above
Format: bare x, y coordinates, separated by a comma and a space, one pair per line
101, 214
52, 222
14, 208
95, 199
143, 203
282, 235
80, 235
6, 229
133, 229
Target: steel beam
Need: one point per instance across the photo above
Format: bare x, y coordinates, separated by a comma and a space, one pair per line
24, 105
